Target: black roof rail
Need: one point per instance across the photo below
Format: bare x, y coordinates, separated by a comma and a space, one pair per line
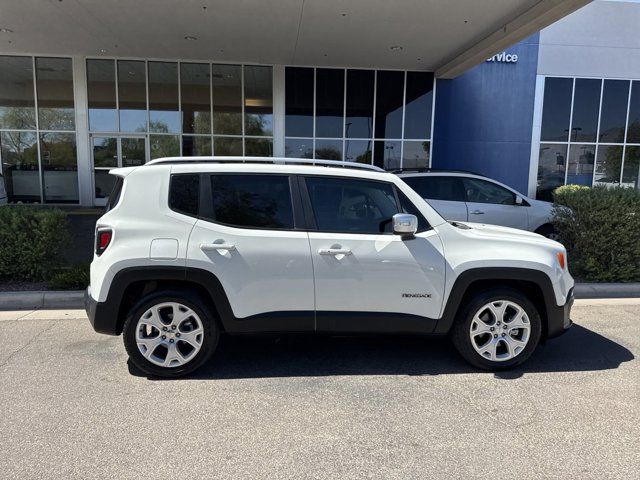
435, 170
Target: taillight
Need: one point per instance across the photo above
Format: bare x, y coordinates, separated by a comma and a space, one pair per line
103, 239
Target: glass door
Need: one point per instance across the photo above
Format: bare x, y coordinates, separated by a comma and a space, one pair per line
113, 152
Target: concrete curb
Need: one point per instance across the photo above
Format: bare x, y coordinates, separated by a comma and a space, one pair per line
74, 299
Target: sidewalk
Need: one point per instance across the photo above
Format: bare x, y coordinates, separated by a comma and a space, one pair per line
75, 299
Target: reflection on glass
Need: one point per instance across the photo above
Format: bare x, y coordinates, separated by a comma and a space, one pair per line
359, 119
163, 146
54, 82
20, 166
101, 92
105, 152
17, 107
358, 151
631, 170
132, 96
580, 168
103, 183
227, 146
196, 146
163, 97
299, 102
633, 129
419, 98
298, 147
227, 99
258, 100
258, 147
328, 149
59, 161
586, 103
608, 165
133, 151
551, 168
387, 155
556, 109
389, 98
329, 102
195, 97
415, 155
613, 116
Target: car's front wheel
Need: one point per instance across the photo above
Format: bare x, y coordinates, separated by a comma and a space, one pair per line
170, 334
497, 329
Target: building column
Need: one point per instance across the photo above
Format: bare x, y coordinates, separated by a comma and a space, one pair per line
278, 110
85, 172
535, 136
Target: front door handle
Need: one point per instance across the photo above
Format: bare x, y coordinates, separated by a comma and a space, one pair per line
476, 212
334, 251
205, 247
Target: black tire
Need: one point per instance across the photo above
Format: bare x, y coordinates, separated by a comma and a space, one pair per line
460, 332
211, 332
548, 231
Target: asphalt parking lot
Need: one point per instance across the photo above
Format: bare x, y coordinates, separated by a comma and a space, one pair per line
321, 407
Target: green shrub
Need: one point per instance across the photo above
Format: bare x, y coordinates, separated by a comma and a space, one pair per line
31, 239
74, 278
601, 231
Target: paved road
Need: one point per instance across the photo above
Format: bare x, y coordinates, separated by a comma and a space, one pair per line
305, 407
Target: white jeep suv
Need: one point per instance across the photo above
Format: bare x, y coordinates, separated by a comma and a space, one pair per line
193, 247
466, 196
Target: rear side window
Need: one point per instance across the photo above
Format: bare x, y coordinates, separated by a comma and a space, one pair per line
114, 196
252, 201
184, 193
437, 187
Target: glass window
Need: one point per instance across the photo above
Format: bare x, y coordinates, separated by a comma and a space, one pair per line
328, 149
329, 102
258, 100
105, 152
20, 166
415, 155
54, 79
252, 201
132, 96
133, 151
631, 171
556, 109
196, 146
407, 206
352, 206
358, 151
360, 91
580, 168
101, 92
59, 161
615, 96
184, 193
586, 104
164, 146
437, 187
17, 107
633, 129
387, 155
419, 98
227, 99
258, 147
195, 95
298, 147
389, 98
227, 146
551, 168
299, 102
608, 164
103, 182
482, 191
164, 116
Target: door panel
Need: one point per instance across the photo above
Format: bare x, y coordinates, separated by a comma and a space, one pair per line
488, 202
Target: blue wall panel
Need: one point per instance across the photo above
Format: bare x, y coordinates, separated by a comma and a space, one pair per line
484, 118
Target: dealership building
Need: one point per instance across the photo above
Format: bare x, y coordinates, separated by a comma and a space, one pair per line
533, 93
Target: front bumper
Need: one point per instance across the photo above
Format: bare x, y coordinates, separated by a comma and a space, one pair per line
559, 320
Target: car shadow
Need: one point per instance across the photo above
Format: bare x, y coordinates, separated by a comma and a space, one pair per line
241, 357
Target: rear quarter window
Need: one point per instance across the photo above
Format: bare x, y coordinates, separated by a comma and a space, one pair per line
114, 196
184, 193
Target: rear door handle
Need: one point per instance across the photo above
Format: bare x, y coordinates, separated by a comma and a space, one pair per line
334, 251
205, 247
476, 212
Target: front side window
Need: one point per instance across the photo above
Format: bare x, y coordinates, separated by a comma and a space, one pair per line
352, 206
252, 201
437, 187
481, 191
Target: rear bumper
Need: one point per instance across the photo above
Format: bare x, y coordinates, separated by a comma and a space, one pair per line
559, 320
102, 316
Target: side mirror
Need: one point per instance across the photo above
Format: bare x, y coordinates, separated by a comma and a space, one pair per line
519, 200
405, 224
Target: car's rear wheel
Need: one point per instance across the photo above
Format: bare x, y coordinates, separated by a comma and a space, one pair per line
497, 329
170, 334
549, 231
